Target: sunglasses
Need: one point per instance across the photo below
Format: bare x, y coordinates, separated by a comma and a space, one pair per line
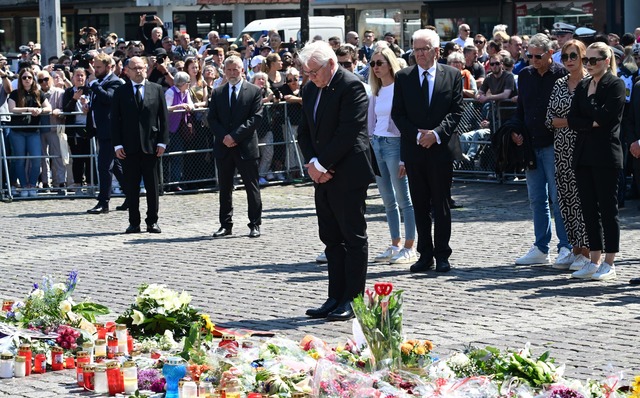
46, 79
346, 64
592, 61
572, 56
377, 63
478, 41
292, 80
495, 63
536, 56
27, 78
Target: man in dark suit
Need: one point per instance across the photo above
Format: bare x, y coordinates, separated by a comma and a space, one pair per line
140, 136
427, 106
335, 144
235, 111
633, 136
101, 91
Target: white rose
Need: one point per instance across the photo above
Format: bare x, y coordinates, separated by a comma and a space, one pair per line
60, 286
38, 293
137, 317
459, 359
185, 298
65, 306
18, 316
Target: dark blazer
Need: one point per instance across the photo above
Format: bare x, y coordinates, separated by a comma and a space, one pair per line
633, 116
598, 146
241, 124
69, 105
410, 112
139, 130
100, 107
338, 137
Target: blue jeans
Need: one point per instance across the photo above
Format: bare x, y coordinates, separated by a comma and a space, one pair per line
23, 144
541, 185
469, 141
393, 190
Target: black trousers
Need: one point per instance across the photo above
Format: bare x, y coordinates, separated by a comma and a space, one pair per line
430, 187
598, 191
81, 167
136, 167
248, 170
343, 230
105, 165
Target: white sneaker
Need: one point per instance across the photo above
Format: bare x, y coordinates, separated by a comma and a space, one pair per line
386, 256
605, 272
322, 258
586, 271
579, 262
565, 259
404, 256
534, 256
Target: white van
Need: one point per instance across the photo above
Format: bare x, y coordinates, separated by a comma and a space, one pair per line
288, 28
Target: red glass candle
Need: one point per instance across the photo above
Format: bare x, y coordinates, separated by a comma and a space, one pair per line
7, 305
101, 331
88, 375
230, 344
129, 344
25, 351
70, 363
112, 347
83, 359
57, 360
40, 363
113, 378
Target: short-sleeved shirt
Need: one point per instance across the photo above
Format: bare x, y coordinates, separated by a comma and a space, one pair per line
30, 102
476, 69
497, 85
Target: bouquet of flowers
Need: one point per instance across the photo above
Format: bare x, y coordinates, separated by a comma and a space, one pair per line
415, 353
380, 317
50, 305
158, 309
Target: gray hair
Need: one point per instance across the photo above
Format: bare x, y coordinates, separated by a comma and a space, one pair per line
380, 43
233, 59
157, 29
212, 33
262, 75
181, 78
428, 35
455, 56
319, 51
542, 41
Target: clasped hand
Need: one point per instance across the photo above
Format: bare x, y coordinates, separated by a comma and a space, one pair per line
427, 138
316, 175
229, 141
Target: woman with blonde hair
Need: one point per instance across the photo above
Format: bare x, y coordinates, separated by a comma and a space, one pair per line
385, 140
596, 114
197, 166
272, 66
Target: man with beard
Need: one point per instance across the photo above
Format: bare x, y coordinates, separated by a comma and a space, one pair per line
101, 91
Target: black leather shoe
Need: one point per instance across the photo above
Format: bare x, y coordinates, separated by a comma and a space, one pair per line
422, 265
454, 205
635, 281
99, 209
343, 312
324, 309
443, 265
255, 232
123, 207
222, 232
132, 229
154, 228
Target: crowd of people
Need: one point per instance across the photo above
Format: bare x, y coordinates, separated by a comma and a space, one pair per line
576, 93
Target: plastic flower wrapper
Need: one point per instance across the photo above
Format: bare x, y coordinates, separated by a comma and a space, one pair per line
400, 383
416, 353
609, 387
334, 380
317, 348
349, 354
379, 315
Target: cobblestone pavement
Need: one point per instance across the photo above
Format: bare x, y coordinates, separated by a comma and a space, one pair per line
267, 283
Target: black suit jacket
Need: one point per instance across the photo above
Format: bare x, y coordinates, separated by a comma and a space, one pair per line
139, 130
410, 112
100, 107
241, 124
338, 137
633, 116
598, 146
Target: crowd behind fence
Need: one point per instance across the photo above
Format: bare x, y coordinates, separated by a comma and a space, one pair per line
189, 164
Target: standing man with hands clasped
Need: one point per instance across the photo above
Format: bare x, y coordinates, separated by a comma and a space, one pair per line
140, 135
427, 106
235, 111
334, 141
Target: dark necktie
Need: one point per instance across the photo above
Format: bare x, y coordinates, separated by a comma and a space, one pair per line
233, 101
425, 86
138, 95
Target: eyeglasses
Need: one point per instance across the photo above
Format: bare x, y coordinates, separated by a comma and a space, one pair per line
314, 73
292, 80
572, 56
478, 41
25, 77
378, 63
46, 79
346, 64
592, 61
495, 63
536, 56
422, 49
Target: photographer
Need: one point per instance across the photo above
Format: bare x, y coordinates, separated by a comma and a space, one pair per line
160, 70
157, 33
88, 39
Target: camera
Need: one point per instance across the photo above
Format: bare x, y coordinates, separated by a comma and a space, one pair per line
160, 58
150, 18
83, 58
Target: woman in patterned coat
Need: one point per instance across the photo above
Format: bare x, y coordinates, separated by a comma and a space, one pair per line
564, 142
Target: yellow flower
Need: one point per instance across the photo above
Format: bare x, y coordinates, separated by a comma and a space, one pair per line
428, 345
137, 317
208, 325
406, 348
413, 342
314, 354
65, 306
339, 348
420, 350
